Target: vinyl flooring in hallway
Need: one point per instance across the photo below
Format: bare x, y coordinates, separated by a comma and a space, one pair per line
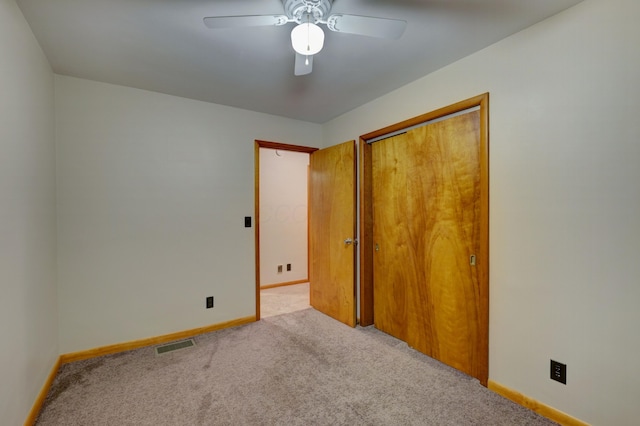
283, 300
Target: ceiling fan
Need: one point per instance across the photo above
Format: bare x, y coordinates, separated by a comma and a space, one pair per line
307, 38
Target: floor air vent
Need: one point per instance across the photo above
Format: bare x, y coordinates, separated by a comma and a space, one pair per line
170, 347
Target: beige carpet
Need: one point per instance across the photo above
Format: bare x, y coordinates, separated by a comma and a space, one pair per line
294, 369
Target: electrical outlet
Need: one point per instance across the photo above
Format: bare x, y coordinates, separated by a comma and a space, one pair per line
288, 266
559, 372
279, 269
209, 302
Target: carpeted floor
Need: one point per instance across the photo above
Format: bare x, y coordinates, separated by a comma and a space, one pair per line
301, 368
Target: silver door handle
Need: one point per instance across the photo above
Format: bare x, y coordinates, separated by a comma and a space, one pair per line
348, 241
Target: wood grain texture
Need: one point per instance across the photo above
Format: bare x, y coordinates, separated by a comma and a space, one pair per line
427, 219
332, 219
392, 255
479, 100
534, 405
366, 216
366, 235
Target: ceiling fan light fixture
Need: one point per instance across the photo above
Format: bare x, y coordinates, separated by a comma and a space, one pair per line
307, 39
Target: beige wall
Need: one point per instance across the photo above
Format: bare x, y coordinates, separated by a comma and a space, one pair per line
152, 195
152, 191
564, 202
283, 215
28, 303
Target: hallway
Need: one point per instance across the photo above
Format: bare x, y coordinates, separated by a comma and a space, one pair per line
283, 300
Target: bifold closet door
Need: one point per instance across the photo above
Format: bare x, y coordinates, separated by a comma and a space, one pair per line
426, 231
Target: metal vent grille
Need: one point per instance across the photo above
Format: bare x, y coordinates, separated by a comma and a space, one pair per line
170, 347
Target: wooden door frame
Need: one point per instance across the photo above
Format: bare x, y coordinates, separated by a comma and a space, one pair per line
282, 147
366, 207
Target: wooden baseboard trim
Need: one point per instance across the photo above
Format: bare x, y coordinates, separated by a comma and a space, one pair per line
533, 405
127, 346
39, 402
121, 347
264, 287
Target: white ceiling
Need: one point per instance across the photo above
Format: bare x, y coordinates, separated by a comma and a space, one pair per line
163, 46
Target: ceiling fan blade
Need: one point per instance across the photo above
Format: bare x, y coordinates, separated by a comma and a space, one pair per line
245, 21
302, 68
367, 25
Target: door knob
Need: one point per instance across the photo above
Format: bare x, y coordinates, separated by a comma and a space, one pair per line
348, 241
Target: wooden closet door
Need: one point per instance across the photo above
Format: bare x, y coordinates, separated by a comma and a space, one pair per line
426, 214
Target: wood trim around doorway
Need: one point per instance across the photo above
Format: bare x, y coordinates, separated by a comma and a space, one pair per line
366, 197
271, 145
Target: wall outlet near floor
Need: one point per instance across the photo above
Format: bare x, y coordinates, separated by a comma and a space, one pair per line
209, 302
288, 266
559, 372
279, 269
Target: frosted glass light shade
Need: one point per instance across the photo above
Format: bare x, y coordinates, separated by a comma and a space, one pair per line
307, 39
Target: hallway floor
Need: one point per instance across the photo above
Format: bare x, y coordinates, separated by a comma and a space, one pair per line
283, 300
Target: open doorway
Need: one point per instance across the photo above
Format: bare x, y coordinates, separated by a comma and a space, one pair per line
281, 200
